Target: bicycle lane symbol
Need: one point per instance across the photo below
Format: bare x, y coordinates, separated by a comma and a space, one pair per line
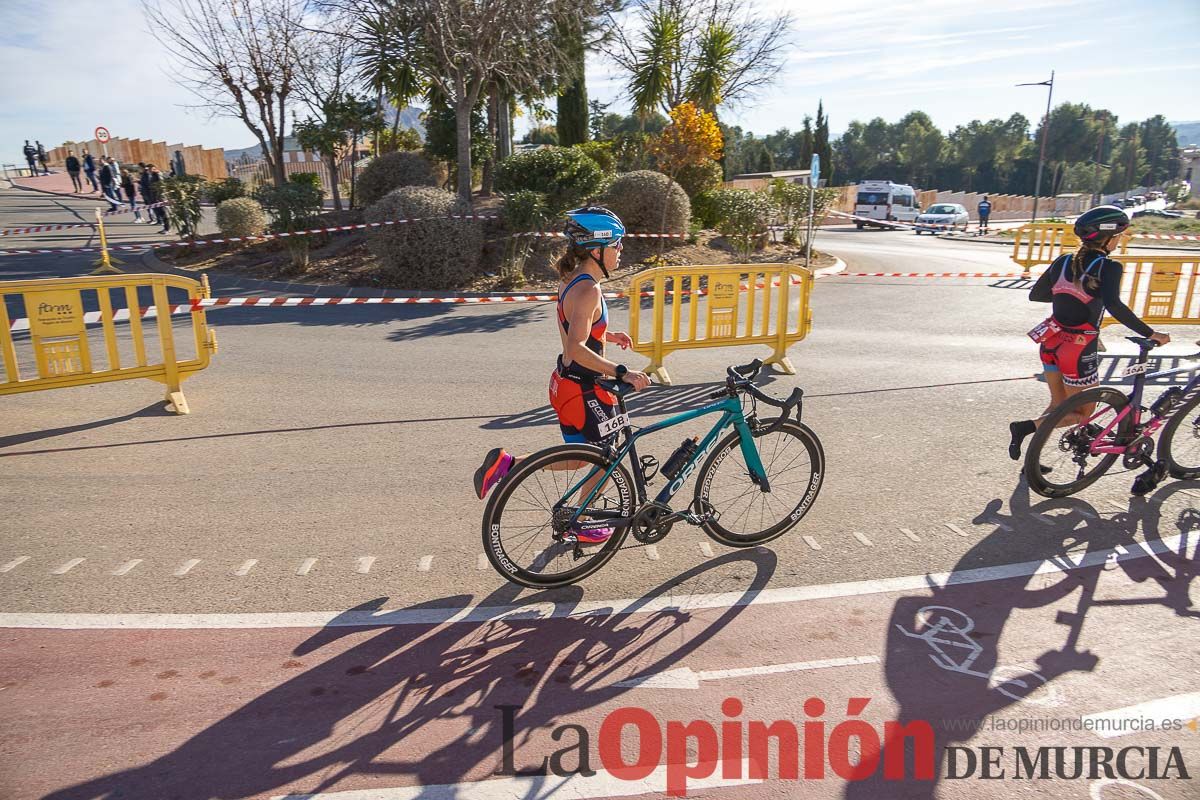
946, 630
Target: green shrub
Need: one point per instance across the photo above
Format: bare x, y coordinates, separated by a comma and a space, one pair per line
632, 151
601, 153
241, 217
649, 202
742, 217
391, 171
183, 192
436, 253
218, 192
705, 212
293, 207
564, 175
792, 201
307, 179
698, 178
523, 211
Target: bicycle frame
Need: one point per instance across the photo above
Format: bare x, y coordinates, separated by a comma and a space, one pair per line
730, 409
1134, 407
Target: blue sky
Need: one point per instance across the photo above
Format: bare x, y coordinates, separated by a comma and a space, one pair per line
69, 65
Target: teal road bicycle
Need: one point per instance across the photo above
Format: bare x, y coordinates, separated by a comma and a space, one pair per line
754, 483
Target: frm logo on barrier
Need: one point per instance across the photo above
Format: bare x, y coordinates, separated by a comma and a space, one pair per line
54, 313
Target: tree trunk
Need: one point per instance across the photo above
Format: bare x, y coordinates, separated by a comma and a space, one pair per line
504, 127
333, 183
462, 117
353, 164
489, 166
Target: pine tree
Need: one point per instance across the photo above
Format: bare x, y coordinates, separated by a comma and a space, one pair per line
821, 144
572, 122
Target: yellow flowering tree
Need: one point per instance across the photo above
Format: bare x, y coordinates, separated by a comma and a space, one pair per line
692, 139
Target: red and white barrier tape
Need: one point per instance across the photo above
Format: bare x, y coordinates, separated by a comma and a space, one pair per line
45, 228
309, 232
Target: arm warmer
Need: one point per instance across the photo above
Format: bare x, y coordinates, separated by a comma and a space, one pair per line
1110, 290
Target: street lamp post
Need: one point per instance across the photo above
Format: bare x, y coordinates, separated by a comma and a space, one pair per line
1037, 187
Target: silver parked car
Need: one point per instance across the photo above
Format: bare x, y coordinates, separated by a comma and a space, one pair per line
942, 217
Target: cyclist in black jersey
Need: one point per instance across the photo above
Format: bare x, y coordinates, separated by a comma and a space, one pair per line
1080, 287
595, 235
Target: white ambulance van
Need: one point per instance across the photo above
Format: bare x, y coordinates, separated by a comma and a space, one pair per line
885, 201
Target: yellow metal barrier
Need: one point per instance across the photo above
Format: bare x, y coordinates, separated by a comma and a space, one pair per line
740, 304
1039, 243
1162, 290
59, 339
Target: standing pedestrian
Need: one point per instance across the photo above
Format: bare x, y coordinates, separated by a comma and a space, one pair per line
31, 158
152, 194
108, 182
41, 154
116, 171
131, 198
89, 169
985, 210
73, 167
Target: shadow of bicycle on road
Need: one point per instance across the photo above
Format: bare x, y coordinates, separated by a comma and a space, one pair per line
416, 704
942, 662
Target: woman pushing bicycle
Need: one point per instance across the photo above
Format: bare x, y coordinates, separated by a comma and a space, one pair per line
1081, 286
594, 236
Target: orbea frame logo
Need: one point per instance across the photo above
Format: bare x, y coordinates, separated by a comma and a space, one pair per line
736, 742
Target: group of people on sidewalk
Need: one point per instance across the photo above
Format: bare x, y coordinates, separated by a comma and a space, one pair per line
35, 156
120, 186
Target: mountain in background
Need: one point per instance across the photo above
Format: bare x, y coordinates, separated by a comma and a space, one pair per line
410, 117
1186, 132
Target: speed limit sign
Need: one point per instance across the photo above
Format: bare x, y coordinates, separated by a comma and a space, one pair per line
102, 135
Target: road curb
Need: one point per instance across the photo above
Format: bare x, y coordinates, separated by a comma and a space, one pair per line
824, 272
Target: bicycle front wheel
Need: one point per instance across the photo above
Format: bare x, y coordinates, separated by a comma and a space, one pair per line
1180, 443
795, 467
1059, 461
524, 532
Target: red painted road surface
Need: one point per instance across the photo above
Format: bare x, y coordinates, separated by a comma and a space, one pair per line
286, 712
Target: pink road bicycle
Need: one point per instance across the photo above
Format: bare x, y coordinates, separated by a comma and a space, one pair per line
1062, 460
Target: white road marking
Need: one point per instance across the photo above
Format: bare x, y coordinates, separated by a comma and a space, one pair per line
1044, 519
865, 541
16, 562
364, 564
245, 568
186, 567
425, 564
1114, 723
1118, 506
306, 566
652, 552
1191, 492
813, 543
67, 567
996, 521
706, 549
609, 607
126, 567
955, 528
911, 536
481, 562
574, 787
687, 678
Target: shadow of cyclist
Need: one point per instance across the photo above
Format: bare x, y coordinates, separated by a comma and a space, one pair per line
942, 663
418, 702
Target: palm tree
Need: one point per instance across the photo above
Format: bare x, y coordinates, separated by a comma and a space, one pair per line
656, 60
716, 54
387, 63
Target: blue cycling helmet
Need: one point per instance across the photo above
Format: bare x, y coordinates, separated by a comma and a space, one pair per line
593, 226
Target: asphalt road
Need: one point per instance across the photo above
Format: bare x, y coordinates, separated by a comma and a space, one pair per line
326, 467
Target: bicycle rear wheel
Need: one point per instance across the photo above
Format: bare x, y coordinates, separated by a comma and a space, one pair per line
520, 534
1179, 446
795, 467
1066, 450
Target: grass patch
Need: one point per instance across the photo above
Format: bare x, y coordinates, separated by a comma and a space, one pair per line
1151, 224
